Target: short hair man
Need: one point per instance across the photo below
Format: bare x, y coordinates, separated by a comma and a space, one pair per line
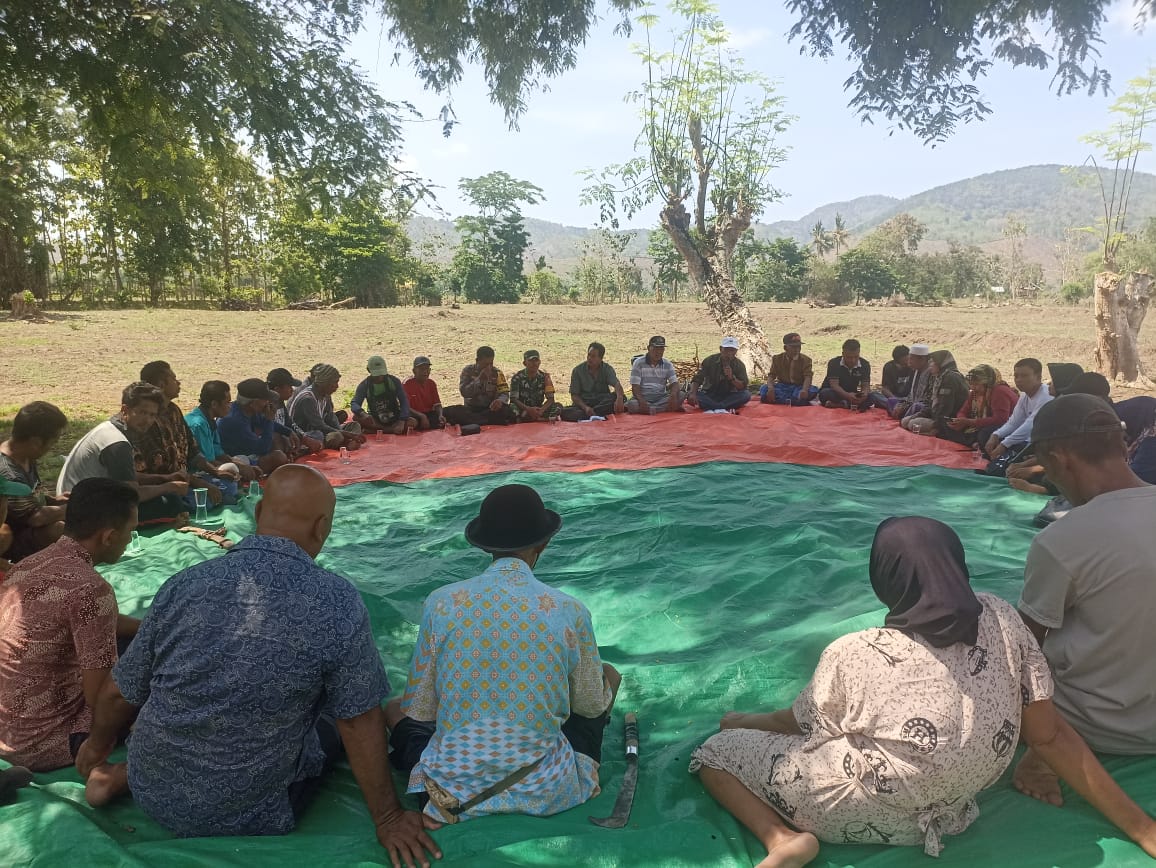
35, 520
213, 403
897, 377
543, 722
595, 389
108, 451
58, 639
298, 442
654, 381
1089, 591
425, 404
234, 703
1016, 433
791, 376
380, 403
721, 382
532, 391
311, 409
248, 429
848, 380
486, 394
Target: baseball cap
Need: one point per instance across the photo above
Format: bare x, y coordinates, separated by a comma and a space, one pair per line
254, 389
729, 343
656, 341
792, 338
421, 360
281, 377
376, 366
8, 488
1072, 416
919, 350
531, 354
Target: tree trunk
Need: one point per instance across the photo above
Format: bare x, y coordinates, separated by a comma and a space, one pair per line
1121, 303
710, 274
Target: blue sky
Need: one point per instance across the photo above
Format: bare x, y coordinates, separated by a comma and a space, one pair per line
582, 120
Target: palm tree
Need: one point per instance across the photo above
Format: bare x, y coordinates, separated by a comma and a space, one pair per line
840, 237
820, 239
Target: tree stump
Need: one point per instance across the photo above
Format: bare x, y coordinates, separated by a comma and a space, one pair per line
23, 307
1121, 303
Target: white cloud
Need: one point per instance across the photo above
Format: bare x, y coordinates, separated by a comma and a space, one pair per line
748, 38
1124, 16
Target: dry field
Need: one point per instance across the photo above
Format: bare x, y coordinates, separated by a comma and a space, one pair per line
81, 360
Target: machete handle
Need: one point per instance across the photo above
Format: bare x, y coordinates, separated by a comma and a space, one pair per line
631, 728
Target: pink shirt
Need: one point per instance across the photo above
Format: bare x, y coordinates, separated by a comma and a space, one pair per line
57, 618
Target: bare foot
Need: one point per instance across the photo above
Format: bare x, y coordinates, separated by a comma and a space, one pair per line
105, 783
791, 850
1034, 777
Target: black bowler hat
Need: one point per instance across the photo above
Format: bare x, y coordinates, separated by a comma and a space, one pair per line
512, 518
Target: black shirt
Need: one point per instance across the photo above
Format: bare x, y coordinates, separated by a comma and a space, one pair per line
897, 378
850, 380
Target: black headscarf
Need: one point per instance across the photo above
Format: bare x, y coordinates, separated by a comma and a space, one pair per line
919, 572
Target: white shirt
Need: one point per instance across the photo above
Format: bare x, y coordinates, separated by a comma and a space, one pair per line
1017, 431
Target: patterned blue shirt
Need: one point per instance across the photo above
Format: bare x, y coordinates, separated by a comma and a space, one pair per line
232, 666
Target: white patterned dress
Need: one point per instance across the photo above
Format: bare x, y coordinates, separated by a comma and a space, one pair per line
899, 736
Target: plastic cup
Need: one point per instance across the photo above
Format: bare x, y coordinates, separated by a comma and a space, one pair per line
134, 547
343, 455
379, 436
254, 488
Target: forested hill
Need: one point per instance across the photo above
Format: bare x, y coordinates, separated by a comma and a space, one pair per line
1047, 199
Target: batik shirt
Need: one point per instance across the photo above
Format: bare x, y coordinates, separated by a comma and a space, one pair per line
531, 391
233, 664
492, 386
168, 446
501, 662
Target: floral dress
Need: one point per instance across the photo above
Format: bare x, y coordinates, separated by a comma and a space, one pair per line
899, 736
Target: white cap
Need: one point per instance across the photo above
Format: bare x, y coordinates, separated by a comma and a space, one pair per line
729, 343
920, 350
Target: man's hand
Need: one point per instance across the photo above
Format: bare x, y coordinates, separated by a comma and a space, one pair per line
957, 424
997, 451
179, 488
403, 835
991, 445
214, 494
534, 414
179, 476
495, 405
619, 406
692, 399
312, 444
90, 756
248, 472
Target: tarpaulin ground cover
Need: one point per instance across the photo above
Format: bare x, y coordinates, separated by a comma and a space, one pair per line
800, 435
712, 587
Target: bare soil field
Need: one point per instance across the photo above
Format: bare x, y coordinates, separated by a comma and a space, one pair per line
81, 360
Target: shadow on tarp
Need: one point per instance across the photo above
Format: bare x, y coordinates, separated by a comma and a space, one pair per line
762, 433
712, 587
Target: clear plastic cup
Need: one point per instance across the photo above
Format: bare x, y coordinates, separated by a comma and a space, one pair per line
379, 436
254, 489
134, 546
343, 455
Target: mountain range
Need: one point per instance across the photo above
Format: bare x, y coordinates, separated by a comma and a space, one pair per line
1050, 200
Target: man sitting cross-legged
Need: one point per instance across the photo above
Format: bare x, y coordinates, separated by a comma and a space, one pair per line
311, 410
297, 442
215, 401
654, 381
379, 401
848, 380
721, 382
34, 520
241, 669
1089, 591
532, 391
107, 451
595, 389
486, 394
425, 404
248, 429
791, 377
59, 628
485, 733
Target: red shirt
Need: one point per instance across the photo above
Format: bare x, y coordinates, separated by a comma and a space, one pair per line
423, 396
57, 618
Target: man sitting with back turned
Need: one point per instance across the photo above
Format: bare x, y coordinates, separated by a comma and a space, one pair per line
721, 382
595, 389
236, 678
1089, 592
487, 733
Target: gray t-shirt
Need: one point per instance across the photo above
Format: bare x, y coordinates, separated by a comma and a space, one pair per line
653, 379
103, 451
1091, 580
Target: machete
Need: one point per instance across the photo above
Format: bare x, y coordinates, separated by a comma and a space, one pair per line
621, 812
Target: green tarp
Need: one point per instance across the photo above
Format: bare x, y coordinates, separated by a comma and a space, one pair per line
712, 587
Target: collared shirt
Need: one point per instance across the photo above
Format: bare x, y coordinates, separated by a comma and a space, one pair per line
491, 386
104, 451
205, 433
168, 446
593, 386
653, 379
1017, 431
711, 379
531, 391
57, 618
423, 394
851, 380
247, 435
793, 372
501, 662
233, 664
385, 401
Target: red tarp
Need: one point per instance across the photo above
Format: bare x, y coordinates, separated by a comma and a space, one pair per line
794, 435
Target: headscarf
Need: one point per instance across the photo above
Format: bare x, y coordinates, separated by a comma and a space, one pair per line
981, 404
919, 571
944, 360
1062, 374
323, 374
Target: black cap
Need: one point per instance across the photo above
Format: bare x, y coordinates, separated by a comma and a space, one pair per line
512, 518
1073, 416
792, 338
281, 377
656, 341
254, 389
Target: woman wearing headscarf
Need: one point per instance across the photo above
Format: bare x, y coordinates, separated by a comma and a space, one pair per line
989, 405
948, 394
902, 725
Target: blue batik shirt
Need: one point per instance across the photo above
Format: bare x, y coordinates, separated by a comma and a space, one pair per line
232, 666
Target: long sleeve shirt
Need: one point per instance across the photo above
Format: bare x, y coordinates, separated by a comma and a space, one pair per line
385, 401
247, 435
1017, 430
310, 413
481, 387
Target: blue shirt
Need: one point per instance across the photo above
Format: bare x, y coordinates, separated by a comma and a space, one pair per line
247, 435
205, 433
233, 664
